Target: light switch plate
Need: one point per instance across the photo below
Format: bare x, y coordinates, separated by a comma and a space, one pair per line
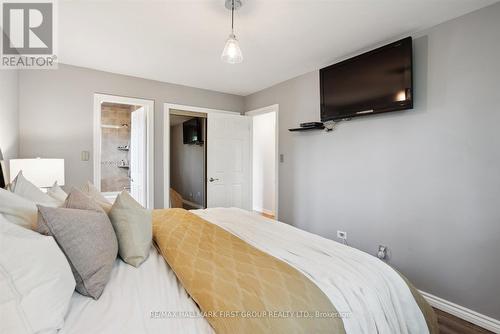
85, 156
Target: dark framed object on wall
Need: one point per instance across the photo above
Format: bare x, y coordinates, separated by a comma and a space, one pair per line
2, 175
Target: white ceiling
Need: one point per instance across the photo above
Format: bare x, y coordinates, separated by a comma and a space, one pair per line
181, 41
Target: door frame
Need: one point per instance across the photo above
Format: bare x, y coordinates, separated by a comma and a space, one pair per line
149, 107
272, 108
166, 141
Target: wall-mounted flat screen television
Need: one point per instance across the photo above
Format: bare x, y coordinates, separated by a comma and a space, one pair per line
191, 131
375, 82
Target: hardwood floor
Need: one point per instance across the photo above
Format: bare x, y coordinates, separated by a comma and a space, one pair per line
449, 324
265, 214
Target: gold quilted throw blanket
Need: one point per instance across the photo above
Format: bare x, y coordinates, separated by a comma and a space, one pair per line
239, 288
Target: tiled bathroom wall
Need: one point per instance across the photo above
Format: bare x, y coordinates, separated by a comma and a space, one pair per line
115, 145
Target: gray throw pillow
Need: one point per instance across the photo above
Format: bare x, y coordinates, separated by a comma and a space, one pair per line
133, 228
86, 237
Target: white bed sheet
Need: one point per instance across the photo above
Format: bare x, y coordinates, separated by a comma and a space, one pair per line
129, 299
373, 294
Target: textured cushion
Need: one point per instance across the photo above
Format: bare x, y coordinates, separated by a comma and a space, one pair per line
90, 190
24, 188
36, 282
133, 228
78, 200
88, 241
17, 210
57, 193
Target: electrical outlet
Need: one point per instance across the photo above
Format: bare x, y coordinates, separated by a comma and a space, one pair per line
342, 235
382, 252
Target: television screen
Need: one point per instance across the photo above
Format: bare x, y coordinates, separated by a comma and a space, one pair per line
191, 131
374, 82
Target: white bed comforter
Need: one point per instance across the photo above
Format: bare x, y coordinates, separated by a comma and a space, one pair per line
375, 296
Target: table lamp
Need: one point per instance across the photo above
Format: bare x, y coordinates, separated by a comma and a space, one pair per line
41, 172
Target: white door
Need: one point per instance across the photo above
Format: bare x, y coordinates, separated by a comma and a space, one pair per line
137, 164
228, 161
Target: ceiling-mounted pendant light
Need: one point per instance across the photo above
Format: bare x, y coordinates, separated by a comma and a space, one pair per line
232, 52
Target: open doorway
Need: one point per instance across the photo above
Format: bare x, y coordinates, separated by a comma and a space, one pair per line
227, 148
264, 160
123, 147
187, 159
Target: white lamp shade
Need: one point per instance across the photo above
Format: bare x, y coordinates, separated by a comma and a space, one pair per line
41, 172
232, 52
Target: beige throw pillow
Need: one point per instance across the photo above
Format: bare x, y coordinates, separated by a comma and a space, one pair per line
133, 228
90, 190
57, 193
78, 200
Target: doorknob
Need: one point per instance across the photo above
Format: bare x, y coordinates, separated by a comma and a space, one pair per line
212, 179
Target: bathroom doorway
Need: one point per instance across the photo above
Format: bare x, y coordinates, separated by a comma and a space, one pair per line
265, 160
123, 152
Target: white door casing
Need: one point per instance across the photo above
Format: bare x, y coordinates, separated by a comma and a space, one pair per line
138, 147
148, 166
275, 109
263, 163
229, 161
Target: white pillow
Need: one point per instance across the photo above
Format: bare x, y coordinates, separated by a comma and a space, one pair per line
18, 210
36, 281
24, 188
57, 193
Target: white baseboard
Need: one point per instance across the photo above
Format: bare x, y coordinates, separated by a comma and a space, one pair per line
463, 312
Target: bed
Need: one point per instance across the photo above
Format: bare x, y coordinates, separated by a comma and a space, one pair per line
130, 301
370, 296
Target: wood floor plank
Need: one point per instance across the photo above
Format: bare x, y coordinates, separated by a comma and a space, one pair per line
449, 324
265, 214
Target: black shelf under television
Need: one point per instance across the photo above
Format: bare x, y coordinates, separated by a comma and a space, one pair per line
308, 128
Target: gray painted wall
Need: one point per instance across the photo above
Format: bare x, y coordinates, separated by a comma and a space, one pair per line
425, 182
56, 113
9, 115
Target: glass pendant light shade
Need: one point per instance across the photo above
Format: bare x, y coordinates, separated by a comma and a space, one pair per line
232, 52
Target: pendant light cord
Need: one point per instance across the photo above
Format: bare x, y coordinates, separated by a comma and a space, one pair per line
232, 17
